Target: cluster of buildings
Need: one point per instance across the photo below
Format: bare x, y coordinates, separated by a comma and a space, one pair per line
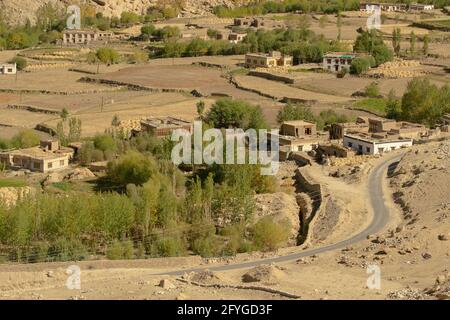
48, 156
268, 60
395, 7
85, 37
8, 68
162, 127
366, 136
233, 37
249, 22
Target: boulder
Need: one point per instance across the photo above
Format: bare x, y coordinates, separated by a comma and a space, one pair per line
263, 273
166, 284
80, 174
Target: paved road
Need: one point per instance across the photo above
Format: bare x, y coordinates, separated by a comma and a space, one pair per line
379, 221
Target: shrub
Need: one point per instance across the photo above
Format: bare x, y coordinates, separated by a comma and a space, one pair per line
120, 250
20, 62
132, 167
372, 90
268, 235
25, 139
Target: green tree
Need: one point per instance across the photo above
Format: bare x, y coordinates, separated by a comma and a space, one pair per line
426, 45
268, 235
132, 167
393, 106
295, 112
25, 139
372, 90
107, 56
226, 113
200, 108
64, 114
147, 31
412, 44
20, 62
396, 40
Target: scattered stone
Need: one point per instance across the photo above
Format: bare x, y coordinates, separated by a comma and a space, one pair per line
426, 255
166, 284
263, 273
443, 237
80, 174
205, 277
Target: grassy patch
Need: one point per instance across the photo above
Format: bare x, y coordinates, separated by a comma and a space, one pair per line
14, 183
63, 186
375, 105
240, 72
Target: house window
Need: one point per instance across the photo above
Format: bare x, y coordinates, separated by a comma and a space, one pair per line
350, 144
10, 70
36, 165
368, 149
360, 147
50, 165
61, 163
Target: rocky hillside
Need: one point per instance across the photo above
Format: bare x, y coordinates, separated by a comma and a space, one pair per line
18, 11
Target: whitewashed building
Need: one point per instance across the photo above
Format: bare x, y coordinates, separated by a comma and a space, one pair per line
8, 68
375, 144
336, 61
421, 7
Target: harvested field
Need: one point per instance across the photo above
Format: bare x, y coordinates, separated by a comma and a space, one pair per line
280, 90
49, 80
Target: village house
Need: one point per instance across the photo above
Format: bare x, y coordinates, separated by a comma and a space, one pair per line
337, 130
236, 37
163, 127
388, 7
337, 61
257, 23
262, 60
335, 150
375, 143
8, 68
298, 136
83, 37
49, 156
420, 7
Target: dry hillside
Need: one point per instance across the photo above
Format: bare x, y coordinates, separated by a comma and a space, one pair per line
18, 11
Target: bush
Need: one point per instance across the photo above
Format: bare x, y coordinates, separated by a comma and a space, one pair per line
20, 62
361, 65
169, 247
372, 90
120, 250
132, 167
25, 139
268, 235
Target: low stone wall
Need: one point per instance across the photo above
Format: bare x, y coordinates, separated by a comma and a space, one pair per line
44, 128
270, 76
130, 86
32, 109
313, 207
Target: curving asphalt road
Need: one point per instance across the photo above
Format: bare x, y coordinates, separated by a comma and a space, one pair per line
379, 221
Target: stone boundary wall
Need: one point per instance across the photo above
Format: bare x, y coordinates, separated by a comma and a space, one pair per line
315, 192
32, 109
270, 76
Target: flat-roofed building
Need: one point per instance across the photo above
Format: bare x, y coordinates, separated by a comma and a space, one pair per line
236, 37
298, 128
270, 60
83, 37
337, 130
8, 68
49, 156
388, 7
377, 143
421, 7
381, 124
163, 127
337, 61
